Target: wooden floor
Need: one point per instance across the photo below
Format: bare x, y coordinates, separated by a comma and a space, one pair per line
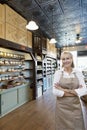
35, 115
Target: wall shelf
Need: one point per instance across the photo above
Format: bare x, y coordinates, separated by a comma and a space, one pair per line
44, 67
15, 65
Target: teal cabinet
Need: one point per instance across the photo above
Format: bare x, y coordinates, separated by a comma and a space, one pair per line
8, 101
12, 98
23, 95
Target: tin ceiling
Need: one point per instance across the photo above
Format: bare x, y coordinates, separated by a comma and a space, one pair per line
69, 18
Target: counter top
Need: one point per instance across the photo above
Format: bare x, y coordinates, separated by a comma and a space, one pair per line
11, 89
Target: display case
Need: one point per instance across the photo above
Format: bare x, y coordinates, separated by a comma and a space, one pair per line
16, 79
15, 68
11, 65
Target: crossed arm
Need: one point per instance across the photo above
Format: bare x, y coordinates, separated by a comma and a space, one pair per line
67, 92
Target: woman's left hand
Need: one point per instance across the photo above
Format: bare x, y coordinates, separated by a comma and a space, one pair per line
57, 86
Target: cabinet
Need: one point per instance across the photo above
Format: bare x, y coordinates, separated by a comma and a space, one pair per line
51, 65
38, 50
12, 98
28, 72
39, 75
44, 65
8, 101
16, 79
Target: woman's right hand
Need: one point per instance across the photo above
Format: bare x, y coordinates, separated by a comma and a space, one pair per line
67, 94
70, 93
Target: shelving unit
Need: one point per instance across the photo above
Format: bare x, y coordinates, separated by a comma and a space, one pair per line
17, 81
51, 67
14, 66
44, 73
27, 70
82, 62
39, 75
44, 65
37, 51
11, 65
44, 53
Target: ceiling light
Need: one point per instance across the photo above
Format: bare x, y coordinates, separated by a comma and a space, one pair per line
52, 41
32, 25
78, 39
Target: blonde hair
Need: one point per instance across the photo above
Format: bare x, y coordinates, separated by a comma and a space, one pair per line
67, 52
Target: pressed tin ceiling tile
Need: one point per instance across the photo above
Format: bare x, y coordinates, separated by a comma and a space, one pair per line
67, 15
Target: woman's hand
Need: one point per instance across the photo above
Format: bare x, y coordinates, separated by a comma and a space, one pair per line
57, 86
73, 92
67, 92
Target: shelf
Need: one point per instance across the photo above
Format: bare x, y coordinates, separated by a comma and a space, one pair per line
15, 68
39, 61
39, 77
38, 69
27, 69
38, 86
11, 55
28, 77
9, 65
9, 72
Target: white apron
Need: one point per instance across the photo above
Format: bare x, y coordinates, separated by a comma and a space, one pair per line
68, 109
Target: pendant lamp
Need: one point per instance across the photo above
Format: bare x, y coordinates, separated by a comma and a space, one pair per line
32, 25
52, 40
78, 39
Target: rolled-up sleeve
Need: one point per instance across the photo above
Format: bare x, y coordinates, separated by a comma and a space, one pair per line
57, 92
83, 90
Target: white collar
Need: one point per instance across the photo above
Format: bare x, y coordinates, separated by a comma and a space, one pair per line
73, 70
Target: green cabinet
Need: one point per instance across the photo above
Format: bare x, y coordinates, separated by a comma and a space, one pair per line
13, 98
8, 101
23, 95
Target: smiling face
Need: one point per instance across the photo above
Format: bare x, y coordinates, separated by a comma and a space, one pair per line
67, 60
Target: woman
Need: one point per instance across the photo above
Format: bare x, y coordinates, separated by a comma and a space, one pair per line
68, 86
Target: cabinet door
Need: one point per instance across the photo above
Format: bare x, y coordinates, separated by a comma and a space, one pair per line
39, 91
8, 101
23, 95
